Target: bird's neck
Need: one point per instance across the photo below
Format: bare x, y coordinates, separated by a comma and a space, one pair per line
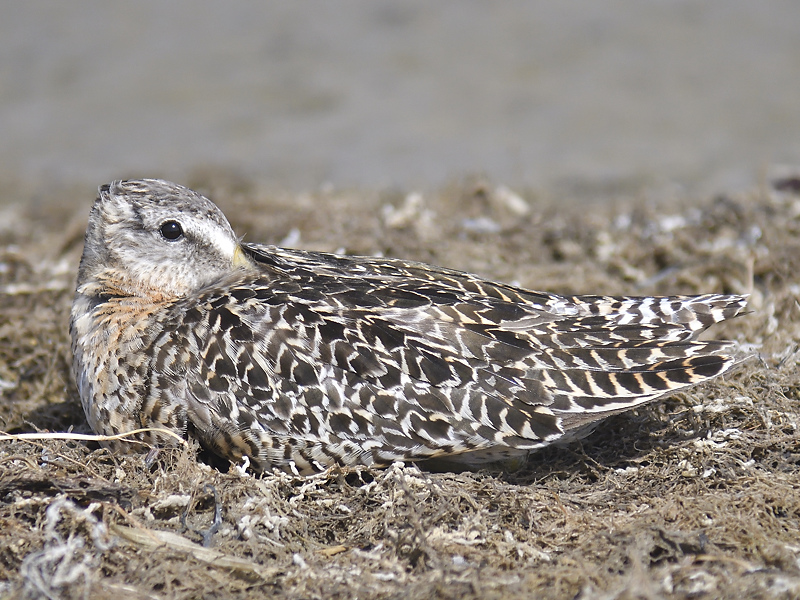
109, 284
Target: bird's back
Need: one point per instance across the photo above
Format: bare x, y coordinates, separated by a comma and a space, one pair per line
325, 359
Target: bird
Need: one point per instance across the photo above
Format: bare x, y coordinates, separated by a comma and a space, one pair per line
301, 361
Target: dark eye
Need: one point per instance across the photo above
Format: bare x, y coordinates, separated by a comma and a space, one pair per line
171, 230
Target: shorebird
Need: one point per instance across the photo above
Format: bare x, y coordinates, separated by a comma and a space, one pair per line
304, 360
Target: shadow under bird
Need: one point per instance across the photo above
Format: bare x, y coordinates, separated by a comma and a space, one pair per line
303, 360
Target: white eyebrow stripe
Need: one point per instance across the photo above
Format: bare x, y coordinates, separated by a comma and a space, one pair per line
216, 235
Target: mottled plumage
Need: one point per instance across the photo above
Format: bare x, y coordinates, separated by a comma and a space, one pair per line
302, 360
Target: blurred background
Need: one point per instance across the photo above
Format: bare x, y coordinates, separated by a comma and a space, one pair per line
622, 94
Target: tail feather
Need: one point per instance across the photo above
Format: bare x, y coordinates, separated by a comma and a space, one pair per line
693, 312
644, 348
636, 358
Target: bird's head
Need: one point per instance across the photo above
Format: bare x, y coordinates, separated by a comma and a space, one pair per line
156, 239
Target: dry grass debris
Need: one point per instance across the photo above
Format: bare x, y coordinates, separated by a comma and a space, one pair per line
695, 496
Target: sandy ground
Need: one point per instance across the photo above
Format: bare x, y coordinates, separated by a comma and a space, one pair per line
693, 496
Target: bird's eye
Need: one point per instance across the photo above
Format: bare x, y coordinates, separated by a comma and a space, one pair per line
171, 230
